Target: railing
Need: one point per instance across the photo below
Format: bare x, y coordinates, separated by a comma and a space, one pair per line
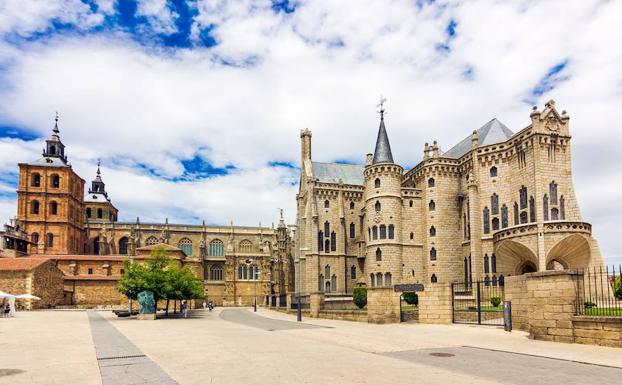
599, 291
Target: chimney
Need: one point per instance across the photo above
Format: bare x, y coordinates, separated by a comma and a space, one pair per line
369, 159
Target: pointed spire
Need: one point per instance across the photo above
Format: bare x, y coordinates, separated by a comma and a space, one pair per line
382, 153
98, 164
56, 131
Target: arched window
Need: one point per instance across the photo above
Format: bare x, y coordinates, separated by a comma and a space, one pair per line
374, 232
432, 231
495, 224
494, 204
333, 282
34, 207
433, 254
545, 207
516, 216
493, 263
523, 197
383, 232
242, 272
494, 280
391, 232
372, 280
554, 214
532, 209
523, 217
34, 238
377, 183
88, 212
369, 233
378, 254
326, 228
351, 205
410, 203
215, 272
253, 272
352, 230
377, 206
320, 240
216, 248
151, 241
501, 280
49, 240
487, 281
246, 246
55, 181
387, 279
185, 245
327, 287
53, 208
327, 246
493, 172
504, 216
378, 279
327, 270
320, 283
553, 192
326, 204
486, 265
486, 219
123, 245
412, 235
431, 182
562, 209
433, 278
333, 242
100, 213
353, 272
432, 206
35, 180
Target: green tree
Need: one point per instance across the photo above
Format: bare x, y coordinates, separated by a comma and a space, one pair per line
359, 296
617, 287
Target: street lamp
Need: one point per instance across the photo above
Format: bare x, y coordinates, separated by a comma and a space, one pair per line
255, 273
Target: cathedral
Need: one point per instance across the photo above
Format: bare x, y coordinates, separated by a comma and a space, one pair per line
81, 233
497, 204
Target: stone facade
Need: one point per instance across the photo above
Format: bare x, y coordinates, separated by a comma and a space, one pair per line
36, 276
498, 204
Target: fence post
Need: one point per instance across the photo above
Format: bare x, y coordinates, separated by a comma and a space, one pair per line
479, 305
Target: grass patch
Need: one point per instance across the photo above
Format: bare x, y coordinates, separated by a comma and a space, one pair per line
409, 307
603, 311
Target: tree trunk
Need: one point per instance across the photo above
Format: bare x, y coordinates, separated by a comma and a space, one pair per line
175, 306
166, 312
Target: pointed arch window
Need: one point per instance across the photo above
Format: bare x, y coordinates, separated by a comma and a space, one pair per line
494, 280
523, 217
554, 214
516, 215
433, 278
493, 263
372, 280
351, 205
320, 241
494, 204
326, 204
383, 232
532, 210
53, 208
246, 246
486, 265
378, 254
374, 232
34, 207
412, 235
185, 245
553, 192
432, 205
493, 171
320, 283
333, 241
487, 281
504, 216
431, 182
352, 230
432, 231
545, 207
216, 248
523, 197
495, 224
327, 246
151, 241
333, 282
327, 270
377, 206
377, 183
410, 203
379, 279
387, 279
391, 232
433, 254
326, 228
123, 245
215, 273
562, 208
486, 220
353, 272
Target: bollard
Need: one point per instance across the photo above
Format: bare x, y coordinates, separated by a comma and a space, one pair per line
507, 316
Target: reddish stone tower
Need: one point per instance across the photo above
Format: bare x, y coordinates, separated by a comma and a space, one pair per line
50, 204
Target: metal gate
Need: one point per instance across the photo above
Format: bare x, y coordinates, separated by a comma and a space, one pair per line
478, 303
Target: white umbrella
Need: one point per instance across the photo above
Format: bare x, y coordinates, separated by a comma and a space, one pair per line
27, 296
5, 295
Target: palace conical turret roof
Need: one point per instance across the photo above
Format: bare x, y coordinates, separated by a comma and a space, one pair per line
382, 153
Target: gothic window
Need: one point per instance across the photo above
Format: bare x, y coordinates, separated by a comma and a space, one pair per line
494, 280
487, 281
516, 217
242, 272
466, 271
464, 226
320, 240
387, 279
431, 182
123, 246
326, 204
494, 204
352, 230
532, 210
321, 283
34, 207
383, 232
351, 205
523, 197
88, 212
377, 183
151, 241
216, 248
433, 254
554, 214
433, 278
374, 232
326, 228
353, 272
493, 263
35, 180
253, 272
327, 246
333, 282
379, 279
185, 245
486, 266
34, 237
432, 206
412, 235
246, 246
495, 224
372, 279
501, 280
562, 208
504, 216
100, 213
49, 240
391, 231
432, 231
327, 287
545, 207
486, 219
369, 233
333, 241
410, 203
523, 217
215, 273
55, 181
53, 208
553, 192
493, 171
96, 246
377, 206
378, 254
327, 270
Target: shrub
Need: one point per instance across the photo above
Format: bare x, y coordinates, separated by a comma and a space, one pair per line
589, 304
359, 297
617, 287
411, 298
495, 301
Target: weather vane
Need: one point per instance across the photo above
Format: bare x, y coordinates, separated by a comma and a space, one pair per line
383, 100
281, 210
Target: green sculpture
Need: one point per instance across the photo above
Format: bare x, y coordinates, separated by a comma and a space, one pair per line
146, 302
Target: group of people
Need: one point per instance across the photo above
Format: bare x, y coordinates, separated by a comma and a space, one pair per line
184, 307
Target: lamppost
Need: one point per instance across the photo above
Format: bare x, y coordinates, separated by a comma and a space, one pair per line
255, 274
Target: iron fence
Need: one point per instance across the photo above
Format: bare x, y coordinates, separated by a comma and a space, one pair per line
599, 291
477, 303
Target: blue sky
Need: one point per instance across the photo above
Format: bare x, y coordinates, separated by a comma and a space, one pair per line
195, 107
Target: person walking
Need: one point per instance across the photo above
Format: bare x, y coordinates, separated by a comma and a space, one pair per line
184, 308
204, 305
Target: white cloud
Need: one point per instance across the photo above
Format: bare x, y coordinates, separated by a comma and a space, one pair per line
161, 19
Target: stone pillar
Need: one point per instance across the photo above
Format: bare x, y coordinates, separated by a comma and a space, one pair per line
288, 300
383, 305
515, 291
435, 305
316, 303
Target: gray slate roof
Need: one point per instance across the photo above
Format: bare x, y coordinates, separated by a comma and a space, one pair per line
332, 172
96, 197
51, 161
382, 153
490, 133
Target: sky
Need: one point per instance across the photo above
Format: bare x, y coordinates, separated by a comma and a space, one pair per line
195, 107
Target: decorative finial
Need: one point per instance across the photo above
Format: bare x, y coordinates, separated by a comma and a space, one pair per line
383, 100
98, 164
55, 130
281, 210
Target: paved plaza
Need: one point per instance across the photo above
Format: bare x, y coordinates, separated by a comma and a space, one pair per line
237, 346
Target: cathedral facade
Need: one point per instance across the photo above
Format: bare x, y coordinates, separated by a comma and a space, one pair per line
496, 204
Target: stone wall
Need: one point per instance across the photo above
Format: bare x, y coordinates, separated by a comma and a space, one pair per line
435, 305
516, 292
383, 305
96, 294
605, 331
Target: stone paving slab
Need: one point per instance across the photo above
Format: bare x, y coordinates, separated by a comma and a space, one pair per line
254, 320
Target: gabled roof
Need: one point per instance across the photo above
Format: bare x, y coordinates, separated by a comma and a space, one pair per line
382, 153
490, 133
20, 264
333, 172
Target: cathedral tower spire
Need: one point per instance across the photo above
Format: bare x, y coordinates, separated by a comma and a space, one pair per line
382, 153
54, 148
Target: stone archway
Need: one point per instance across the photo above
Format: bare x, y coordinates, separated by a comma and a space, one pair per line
514, 258
571, 252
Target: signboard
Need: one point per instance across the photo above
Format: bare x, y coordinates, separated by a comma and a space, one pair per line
408, 287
